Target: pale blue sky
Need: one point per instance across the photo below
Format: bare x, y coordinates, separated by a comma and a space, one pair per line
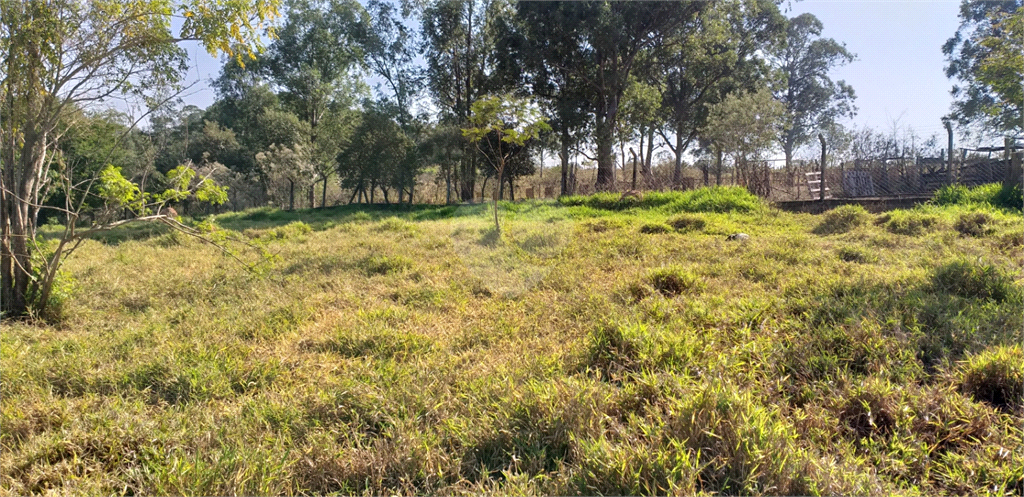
898, 75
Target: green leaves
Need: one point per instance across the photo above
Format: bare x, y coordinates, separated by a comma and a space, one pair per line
515, 119
118, 191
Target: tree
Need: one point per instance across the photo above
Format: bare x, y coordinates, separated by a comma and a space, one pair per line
513, 121
291, 164
457, 44
311, 61
375, 157
714, 58
812, 100
62, 54
600, 47
744, 125
986, 58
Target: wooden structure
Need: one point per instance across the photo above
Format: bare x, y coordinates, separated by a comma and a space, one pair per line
814, 185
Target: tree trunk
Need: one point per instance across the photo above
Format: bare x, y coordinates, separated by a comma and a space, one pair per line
511, 188
718, 169
291, 195
677, 173
605, 142
323, 198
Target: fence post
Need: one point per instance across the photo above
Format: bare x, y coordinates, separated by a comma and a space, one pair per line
1014, 172
821, 193
949, 167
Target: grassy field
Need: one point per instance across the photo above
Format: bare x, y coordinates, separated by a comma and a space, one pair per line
592, 347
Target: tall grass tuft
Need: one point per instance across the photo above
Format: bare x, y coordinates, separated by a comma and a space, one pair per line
974, 280
995, 376
842, 219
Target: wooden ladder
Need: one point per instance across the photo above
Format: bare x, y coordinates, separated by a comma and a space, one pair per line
814, 185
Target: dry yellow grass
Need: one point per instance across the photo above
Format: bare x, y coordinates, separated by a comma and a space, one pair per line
415, 352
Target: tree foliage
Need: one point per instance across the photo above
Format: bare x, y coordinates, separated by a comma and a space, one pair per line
60, 55
811, 99
986, 60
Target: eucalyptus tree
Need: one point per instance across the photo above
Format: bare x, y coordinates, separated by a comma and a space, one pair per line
551, 71
62, 54
812, 100
390, 52
313, 63
457, 46
599, 44
986, 59
718, 54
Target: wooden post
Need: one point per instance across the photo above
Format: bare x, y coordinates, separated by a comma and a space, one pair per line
949, 167
1014, 172
633, 154
821, 193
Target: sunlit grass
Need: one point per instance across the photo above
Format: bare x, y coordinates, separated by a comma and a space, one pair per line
579, 351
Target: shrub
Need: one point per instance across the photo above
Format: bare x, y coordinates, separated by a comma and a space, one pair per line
995, 376
654, 228
672, 281
971, 280
842, 219
687, 223
973, 224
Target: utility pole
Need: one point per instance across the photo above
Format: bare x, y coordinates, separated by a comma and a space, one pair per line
821, 194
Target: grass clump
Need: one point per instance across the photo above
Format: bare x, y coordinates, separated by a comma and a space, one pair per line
686, 223
974, 224
708, 199
384, 264
842, 219
909, 223
856, 254
654, 228
716, 199
995, 376
673, 281
994, 194
974, 280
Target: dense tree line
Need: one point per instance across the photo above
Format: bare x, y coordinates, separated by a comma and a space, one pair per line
366, 97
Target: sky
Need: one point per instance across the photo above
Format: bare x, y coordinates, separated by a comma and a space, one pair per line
898, 75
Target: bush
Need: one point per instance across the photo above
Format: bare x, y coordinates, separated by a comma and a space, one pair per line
687, 223
971, 280
995, 376
842, 219
973, 224
673, 281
